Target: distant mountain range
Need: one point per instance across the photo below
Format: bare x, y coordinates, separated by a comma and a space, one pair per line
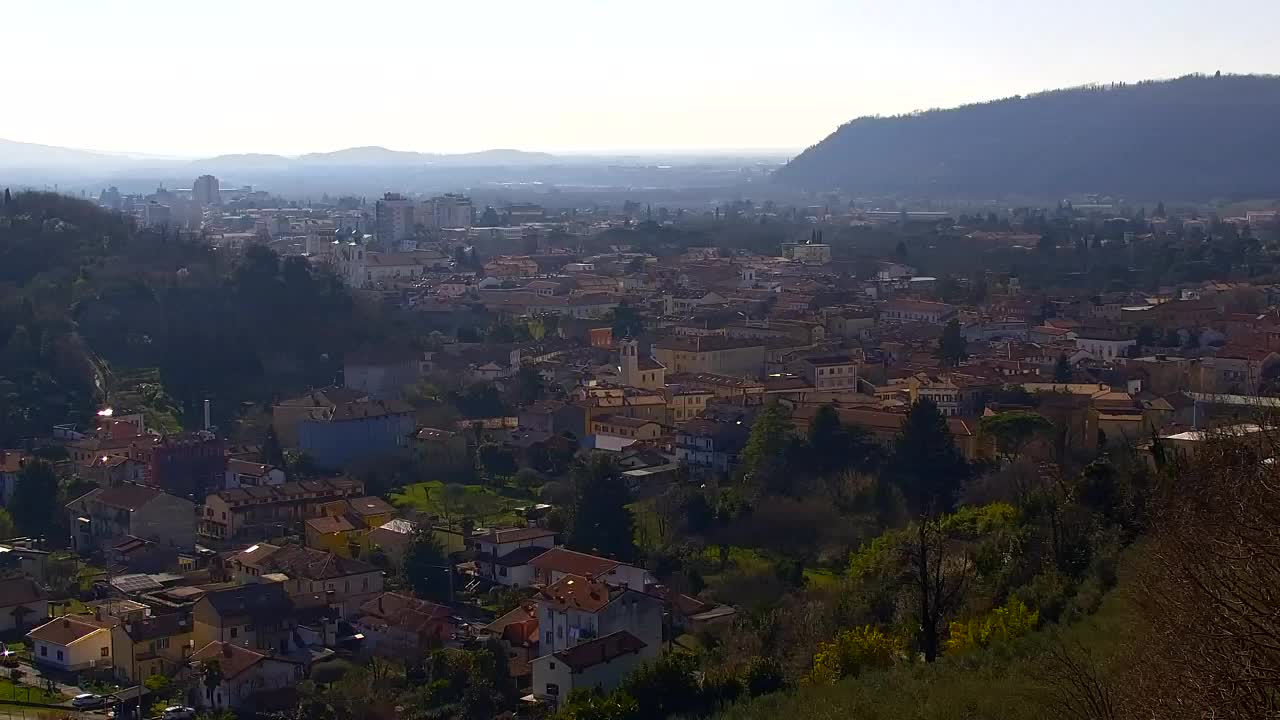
1195, 137
30, 156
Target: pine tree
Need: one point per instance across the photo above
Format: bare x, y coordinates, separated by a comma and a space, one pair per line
7, 198
35, 498
925, 464
1062, 370
602, 523
271, 453
951, 347
764, 459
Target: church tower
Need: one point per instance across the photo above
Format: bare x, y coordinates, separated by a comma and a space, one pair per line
630, 363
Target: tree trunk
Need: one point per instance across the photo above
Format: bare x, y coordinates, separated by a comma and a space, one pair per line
928, 621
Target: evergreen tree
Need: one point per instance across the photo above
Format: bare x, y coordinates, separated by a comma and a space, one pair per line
1062, 370
925, 463
951, 347
35, 499
764, 459
602, 523
271, 453
426, 567
7, 197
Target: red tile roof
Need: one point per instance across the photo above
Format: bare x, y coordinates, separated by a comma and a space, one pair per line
573, 563
601, 650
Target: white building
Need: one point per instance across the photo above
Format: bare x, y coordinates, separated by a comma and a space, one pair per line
156, 215
576, 609
1104, 349
599, 664
503, 556
449, 211
72, 643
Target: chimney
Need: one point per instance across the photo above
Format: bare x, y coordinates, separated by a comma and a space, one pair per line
226, 649
65, 622
207, 424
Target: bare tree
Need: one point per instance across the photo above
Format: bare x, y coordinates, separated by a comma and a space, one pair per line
1073, 685
1210, 592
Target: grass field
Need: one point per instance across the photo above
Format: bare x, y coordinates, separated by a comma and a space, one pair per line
485, 505
25, 693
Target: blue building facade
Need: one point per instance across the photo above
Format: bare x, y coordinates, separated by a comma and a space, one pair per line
357, 431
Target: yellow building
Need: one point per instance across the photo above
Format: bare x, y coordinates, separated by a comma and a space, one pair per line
156, 645
344, 525
719, 355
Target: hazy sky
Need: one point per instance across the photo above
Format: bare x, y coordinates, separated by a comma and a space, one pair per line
284, 76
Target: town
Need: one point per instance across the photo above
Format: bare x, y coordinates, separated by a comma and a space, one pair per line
579, 457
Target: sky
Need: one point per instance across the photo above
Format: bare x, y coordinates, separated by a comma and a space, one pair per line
196, 79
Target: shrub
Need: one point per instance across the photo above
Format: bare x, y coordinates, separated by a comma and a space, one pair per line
852, 652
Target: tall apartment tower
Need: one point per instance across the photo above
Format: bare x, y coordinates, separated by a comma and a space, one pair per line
394, 218
205, 191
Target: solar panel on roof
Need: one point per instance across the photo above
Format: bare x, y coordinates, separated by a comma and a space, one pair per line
136, 584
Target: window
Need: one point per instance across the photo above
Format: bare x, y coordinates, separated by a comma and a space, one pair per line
559, 633
364, 584
248, 628
235, 632
44, 650
551, 666
553, 690
550, 640
106, 652
162, 643
59, 656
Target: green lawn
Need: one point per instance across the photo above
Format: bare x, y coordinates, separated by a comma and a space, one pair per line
483, 504
820, 577
26, 693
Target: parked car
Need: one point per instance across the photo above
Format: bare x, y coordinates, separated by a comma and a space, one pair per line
88, 700
178, 712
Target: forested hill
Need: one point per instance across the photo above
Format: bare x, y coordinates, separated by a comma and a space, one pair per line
1193, 138
86, 299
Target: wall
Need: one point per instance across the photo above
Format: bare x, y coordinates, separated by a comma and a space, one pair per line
79, 655
335, 444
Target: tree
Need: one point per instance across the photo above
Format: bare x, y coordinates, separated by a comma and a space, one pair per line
7, 197
627, 321
272, 453
602, 523
1062, 370
852, 652
666, 686
951, 347
1211, 641
489, 218
526, 387
35, 499
496, 461
8, 528
1011, 621
1013, 430
833, 446
764, 459
925, 464
426, 567
211, 676
299, 464
453, 499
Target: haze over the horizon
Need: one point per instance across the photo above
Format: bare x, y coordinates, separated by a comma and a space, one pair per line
292, 77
